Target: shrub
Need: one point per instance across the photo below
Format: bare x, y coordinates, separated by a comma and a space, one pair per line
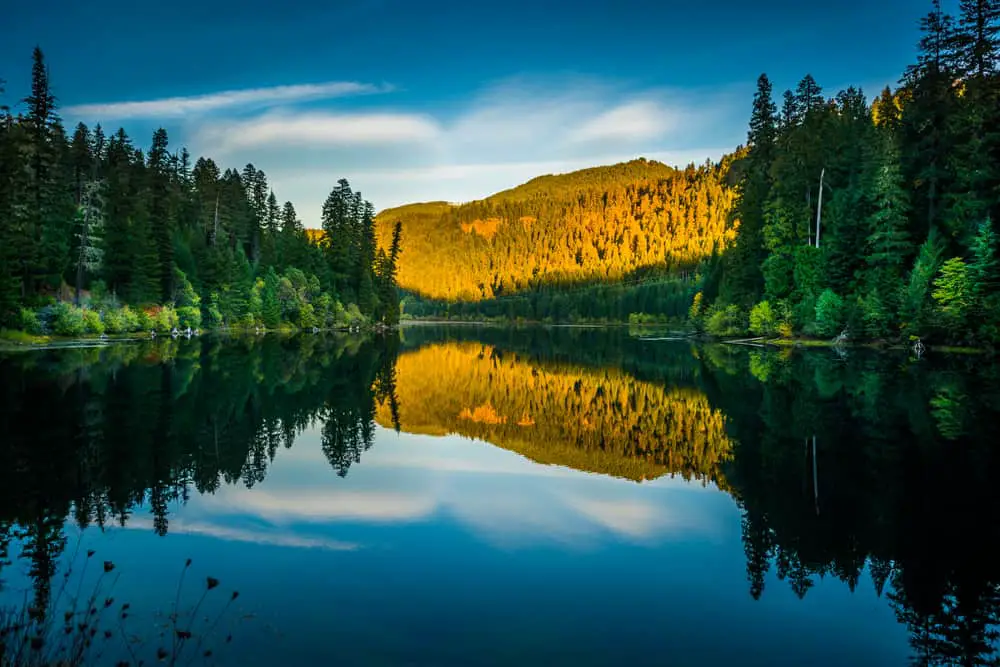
213, 316
130, 319
114, 322
67, 320
829, 314
725, 321
92, 322
354, 316
146, 319
166, 319
30, 322
189, 316
762, 319
307, 317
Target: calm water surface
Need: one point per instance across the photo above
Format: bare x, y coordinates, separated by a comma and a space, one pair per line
486, 496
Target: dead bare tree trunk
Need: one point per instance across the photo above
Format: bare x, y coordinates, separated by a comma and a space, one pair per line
819, 205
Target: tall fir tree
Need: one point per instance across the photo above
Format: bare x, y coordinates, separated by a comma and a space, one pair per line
161, 213
44, 246
743, 281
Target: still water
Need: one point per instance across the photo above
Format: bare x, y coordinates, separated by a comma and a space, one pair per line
485, 496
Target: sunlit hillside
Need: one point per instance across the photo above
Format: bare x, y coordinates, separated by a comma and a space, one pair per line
601, 421
599, 224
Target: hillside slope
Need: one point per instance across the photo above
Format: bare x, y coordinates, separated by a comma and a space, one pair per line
599, 224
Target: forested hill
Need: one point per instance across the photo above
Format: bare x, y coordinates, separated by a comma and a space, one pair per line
595, 225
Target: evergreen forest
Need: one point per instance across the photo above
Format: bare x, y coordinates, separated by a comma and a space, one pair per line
871, 217
98, 236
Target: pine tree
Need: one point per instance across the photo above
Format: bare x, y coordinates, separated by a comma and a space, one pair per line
889, 245
743, 280
120, 197
290, 222
975, 123
925, 133
273, 223
89, 235
161, 213
984, 275
388, 297
43, 247
365, 259
10, 283
340, 234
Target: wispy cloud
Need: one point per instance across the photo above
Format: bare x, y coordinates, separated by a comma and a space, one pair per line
317, 130
634, 121
199, 104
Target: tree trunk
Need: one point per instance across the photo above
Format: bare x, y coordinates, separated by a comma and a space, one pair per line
819, 205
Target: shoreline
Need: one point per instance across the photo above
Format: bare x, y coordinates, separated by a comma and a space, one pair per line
19, 341
14, 340
757, 341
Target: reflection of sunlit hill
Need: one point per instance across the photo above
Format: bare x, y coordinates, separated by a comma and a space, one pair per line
595, 420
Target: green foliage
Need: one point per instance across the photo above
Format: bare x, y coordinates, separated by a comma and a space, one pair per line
165, 319
68, 320
184, 293
915, 308
147, 228
779, 274
695, 313
114, 322
189, 316
953, 294
30, 323
830, 314
92, 322
307, 317
130, 319
835, 195
763, 320
725, 321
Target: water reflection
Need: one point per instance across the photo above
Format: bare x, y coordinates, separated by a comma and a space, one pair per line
871, 475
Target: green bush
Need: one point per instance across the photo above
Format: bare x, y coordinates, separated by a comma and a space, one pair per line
763, 321
145, 319
92, 322
830, 314
725, 321
953, 294
30, 323
189, 316
130, 318
114, 322
166, 319
307, 317
68, 320
212, 313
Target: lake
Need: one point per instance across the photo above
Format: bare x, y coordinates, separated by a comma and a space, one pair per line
495, 496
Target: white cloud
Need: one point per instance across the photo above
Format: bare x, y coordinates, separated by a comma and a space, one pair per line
318, 129
635, 121
197, 104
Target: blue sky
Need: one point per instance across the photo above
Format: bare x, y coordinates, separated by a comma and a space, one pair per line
443, 99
